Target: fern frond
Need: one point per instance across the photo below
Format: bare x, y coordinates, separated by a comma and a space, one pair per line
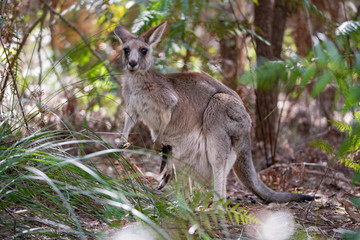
340, 125
238, 213
348, 28
312, 8
357, 117
351, 163
324, 145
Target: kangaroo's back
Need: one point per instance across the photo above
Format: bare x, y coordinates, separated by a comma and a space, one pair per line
198, 85
194, 91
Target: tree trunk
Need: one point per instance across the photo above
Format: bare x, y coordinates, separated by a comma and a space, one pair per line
269, 23
278, 28
228, 54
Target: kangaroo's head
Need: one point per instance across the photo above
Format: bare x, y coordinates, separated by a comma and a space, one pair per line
137, 50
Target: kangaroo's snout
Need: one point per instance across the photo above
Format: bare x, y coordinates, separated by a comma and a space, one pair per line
133, 63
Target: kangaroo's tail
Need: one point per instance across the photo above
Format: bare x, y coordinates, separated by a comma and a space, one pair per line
244, 169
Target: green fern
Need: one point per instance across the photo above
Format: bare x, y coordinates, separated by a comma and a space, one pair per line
312, 8
341, 126
324, 145
348, 28
351, 163
195, 217
349, 146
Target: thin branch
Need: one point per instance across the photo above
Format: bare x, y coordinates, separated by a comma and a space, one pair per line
39, 93
332, 177
39, 48
305, 164
285, 165
81, 34
258, 112
12, 216
316, 190
2, 94
2, 14
310, 30
345, 12
15, 84
278, 129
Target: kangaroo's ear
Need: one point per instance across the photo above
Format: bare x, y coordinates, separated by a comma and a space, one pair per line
153, 36
123, 34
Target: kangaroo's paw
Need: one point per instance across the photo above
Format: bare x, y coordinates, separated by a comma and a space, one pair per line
124, 145
164, 181
166, 149
157, 146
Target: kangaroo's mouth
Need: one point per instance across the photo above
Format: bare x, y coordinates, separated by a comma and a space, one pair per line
132, 69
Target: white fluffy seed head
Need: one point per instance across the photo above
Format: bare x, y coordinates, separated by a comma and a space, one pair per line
279, 225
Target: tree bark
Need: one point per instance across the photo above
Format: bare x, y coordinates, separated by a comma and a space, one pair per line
228, 54
270, 20
278, 27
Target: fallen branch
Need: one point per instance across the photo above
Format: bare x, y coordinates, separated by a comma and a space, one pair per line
284, 165
333, 177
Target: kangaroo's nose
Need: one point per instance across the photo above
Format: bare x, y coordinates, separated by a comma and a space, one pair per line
133, 63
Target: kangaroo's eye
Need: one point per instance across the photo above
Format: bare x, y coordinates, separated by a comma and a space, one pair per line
126, 50
143, 51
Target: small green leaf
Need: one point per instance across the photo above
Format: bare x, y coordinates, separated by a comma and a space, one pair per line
320, 58
230, 216
322, 144
340, 125
214, 218
235, 207
357, 63
226, 204
310, 73
321, 83
237, 218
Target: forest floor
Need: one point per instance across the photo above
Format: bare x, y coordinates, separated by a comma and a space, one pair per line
300, 168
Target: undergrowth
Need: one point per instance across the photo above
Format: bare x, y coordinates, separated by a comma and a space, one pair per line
48, 191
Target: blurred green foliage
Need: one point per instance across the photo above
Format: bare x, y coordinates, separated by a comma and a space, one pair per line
49, 182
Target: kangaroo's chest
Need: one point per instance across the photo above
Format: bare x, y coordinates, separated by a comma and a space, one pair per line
145, 106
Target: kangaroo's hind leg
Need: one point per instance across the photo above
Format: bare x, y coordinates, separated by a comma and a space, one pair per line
221, 158
220, 153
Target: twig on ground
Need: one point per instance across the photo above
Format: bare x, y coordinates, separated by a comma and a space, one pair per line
14, 219
333, 177
284, 165
316, 190
317, 223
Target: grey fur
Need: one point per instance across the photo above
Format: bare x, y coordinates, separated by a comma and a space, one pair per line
204, 121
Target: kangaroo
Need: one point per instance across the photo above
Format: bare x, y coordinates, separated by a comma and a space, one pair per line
203, 121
